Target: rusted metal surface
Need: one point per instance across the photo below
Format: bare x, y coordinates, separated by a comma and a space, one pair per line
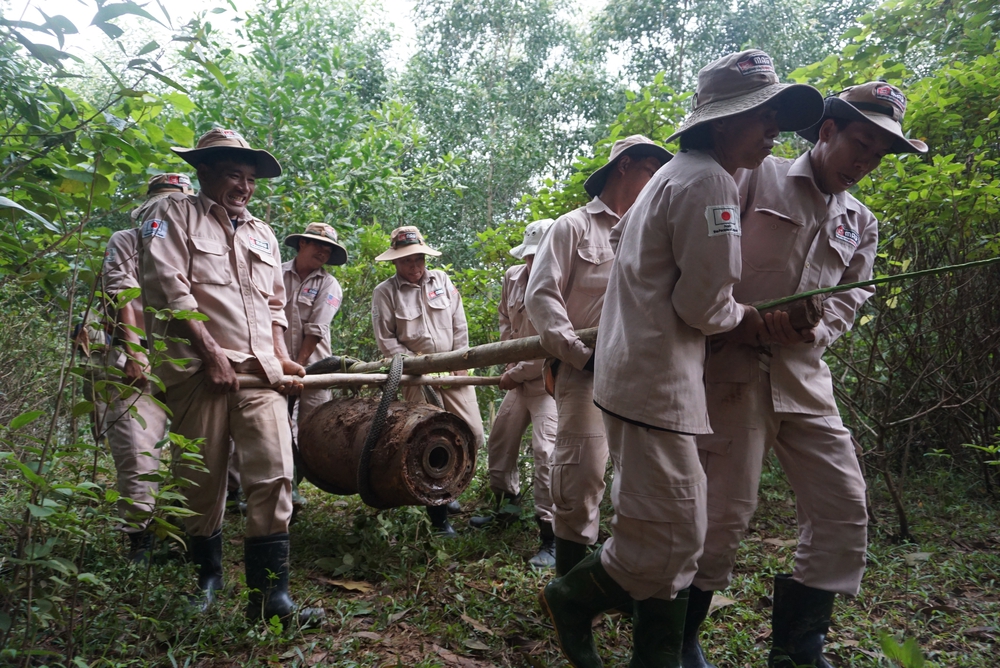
803, 313
426, 456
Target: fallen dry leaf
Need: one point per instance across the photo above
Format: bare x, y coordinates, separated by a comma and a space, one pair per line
367, 635
476, 645
916, 557
479, 626
315, 658
396, 616
781, 542
446, 655
719, 602
349, 585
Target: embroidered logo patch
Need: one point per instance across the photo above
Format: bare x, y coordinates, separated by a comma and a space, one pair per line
847, 235
755, 65
434, 293
723, 220
310, 292
892, 96
258, 244
332, 301
154, 228
109, 255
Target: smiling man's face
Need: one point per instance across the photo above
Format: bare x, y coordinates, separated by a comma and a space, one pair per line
845, 155
228, 183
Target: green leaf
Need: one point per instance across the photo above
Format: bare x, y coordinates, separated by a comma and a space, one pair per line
181, 133
11, 204
216, 72
83, 408
110, 29
40, 511
180, 102
108, 12
165, 79
149, 48
24, 419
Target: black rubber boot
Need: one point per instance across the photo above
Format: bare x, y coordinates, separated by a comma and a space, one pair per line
658, 632
440, 525
140, 547
206, 555
506, 511
573, 601
799, 623
266, 562
546, 557
568, 555
454, 507
699, 603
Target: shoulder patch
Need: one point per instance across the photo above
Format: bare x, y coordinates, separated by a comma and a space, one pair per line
723, 220
110, 253
847, 235
154, 227
332, 301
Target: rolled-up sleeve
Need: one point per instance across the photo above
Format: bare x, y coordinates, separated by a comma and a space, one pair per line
841, 308
544, 295
121, 271
324, 308
276, 302
708, 259
166, 257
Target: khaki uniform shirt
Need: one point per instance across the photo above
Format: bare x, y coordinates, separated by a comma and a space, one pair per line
568, 278
419, 318
795, 238
310, 308
121, 267
514, 322
192, 259
671, 286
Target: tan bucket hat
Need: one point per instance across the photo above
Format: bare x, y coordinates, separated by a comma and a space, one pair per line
635, 146
322, 233
746, 80
876, 102
220, 139
406, 240
161, 186
532, 236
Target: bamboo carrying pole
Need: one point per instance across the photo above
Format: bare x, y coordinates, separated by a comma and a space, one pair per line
326, 380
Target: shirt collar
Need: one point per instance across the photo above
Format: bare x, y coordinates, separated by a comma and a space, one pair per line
597, 205
208, 203
400, 281
839, 203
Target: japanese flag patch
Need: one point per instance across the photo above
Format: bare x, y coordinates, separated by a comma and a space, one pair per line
154, 228
723, 220
110, 254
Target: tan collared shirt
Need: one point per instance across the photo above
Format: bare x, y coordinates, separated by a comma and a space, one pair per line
192, 259
422, 318
310, 307
121, 267
795, 239
671, 286
566, 289
514, 321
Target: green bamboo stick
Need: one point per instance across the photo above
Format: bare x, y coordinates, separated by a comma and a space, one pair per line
877, 281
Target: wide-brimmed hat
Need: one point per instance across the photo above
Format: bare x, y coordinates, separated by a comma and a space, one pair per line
635, 146
875, 102
322, 233
169, 182
406, 240
532, 236
746, 80
218, 140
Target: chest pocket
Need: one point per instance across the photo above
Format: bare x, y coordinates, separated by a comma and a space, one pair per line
409, 322
210, 262
262, 272
307, 296
768, 239
595, 270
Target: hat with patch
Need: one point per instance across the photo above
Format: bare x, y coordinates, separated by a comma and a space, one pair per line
169, 183
746, 80
875, 102
532, 236
321, 233
220, 140
406, 241
635, 146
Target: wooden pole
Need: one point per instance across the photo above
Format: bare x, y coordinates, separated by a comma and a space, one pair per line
326, 380
502, 352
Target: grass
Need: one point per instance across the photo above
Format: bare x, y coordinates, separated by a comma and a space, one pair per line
397, 597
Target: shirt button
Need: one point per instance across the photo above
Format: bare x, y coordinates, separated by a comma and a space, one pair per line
774, 226
807, 265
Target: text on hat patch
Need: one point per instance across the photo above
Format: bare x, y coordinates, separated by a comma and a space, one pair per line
723, 220
154, 228
892, 96
847, 235
231, 134
755, 64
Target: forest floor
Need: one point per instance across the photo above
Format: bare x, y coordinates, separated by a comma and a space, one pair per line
396, 597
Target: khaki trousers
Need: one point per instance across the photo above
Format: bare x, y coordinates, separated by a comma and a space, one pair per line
528, 404
579, 458
257, 422
818, 457
133, 449
458, 400
659, 498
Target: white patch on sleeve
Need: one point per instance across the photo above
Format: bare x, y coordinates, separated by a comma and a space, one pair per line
154, 228
723, 220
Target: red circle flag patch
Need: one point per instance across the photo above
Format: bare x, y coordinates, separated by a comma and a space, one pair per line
723, 220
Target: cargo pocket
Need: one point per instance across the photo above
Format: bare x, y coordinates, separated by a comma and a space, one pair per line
210, 262
262, 272
593, 280
409, 325
677, 505
714, 443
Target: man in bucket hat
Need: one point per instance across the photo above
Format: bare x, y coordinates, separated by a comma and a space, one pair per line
801, 231
420, 311
161, 186
312, 299
207, 253
671, 286
565, 292
526, 403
